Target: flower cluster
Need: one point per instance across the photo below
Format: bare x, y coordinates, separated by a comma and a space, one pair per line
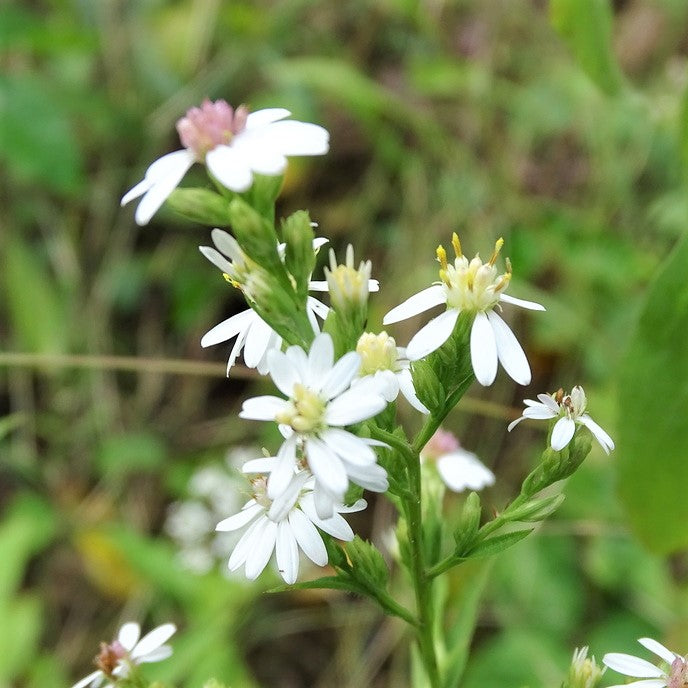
675, 676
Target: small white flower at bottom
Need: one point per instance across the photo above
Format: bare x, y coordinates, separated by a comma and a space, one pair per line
284, 526
114, 661
652, 677
458, 468
570, 409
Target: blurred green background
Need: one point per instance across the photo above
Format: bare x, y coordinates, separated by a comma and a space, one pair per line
561, 126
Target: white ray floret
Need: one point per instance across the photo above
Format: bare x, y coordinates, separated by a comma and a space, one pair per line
284, 526
570, 409
253, 335
117, 659
471, 287
233, 144
459, 469
651, 676
320, 403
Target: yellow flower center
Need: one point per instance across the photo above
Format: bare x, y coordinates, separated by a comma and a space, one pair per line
304, 412
378, 352
472, 285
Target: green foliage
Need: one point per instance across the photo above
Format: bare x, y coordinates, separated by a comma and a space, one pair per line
200, 205
653, 436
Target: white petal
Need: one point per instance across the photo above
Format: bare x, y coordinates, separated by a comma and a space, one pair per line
372, 477
530, 305
88, 680
293, 138
562, 432
631, 666
308, 538
644, 683
262, 408
229, 328
163, 652
320, 360
239, 520
287, 499
334, 525
323, 502
163, 187
236, 350
326, 466
263, 547
318, 285
348, 446
431, 336
128, 635
341, 375
257, 341
606, 442
245, 544
483, 350
229, 168
407, 388
319, 308
216, 258
284, 470
287, 553
260, 118
299, 359
653, 646
418, 303
353, 406
153, 640
511, 355
548, 401
358, 505
264, 465
539, 412
157, 171
462, 470
227, 244
514, 423
263, 159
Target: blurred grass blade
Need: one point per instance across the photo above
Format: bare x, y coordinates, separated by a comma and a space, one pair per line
586, 26
653, 433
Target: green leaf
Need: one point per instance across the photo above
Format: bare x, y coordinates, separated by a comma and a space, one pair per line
35, 309
586, 26
653, 433
123, 454
324, 583
499, 543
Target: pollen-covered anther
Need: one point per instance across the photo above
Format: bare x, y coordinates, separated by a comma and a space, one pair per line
498, 247
457, 245
378, 352
304, 412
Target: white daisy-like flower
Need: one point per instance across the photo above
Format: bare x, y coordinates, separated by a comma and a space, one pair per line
252, 333
320, 402
115, 661
459, 469
233, 145
470, 287
284, 525
386, 364
676, 676
570, 409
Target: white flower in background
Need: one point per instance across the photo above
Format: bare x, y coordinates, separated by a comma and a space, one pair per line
284, 525
253, 335
385, 363
115, 661
320, 402
233, 145
676, 676
458, 468
471, 287
570, 409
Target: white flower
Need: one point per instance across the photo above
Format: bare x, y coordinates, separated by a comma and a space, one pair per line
570, 409
385, 363
116, 659
320, 402
652, 676
471, 287
458, 468
284, 525
252, 333
233, 144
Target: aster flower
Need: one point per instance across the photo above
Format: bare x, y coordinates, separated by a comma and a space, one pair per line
676, 676
233, 144
116, 660
387, 366
253, 335
458, 468
319, 403
476, 288
570, 409
284, 525
583, 672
